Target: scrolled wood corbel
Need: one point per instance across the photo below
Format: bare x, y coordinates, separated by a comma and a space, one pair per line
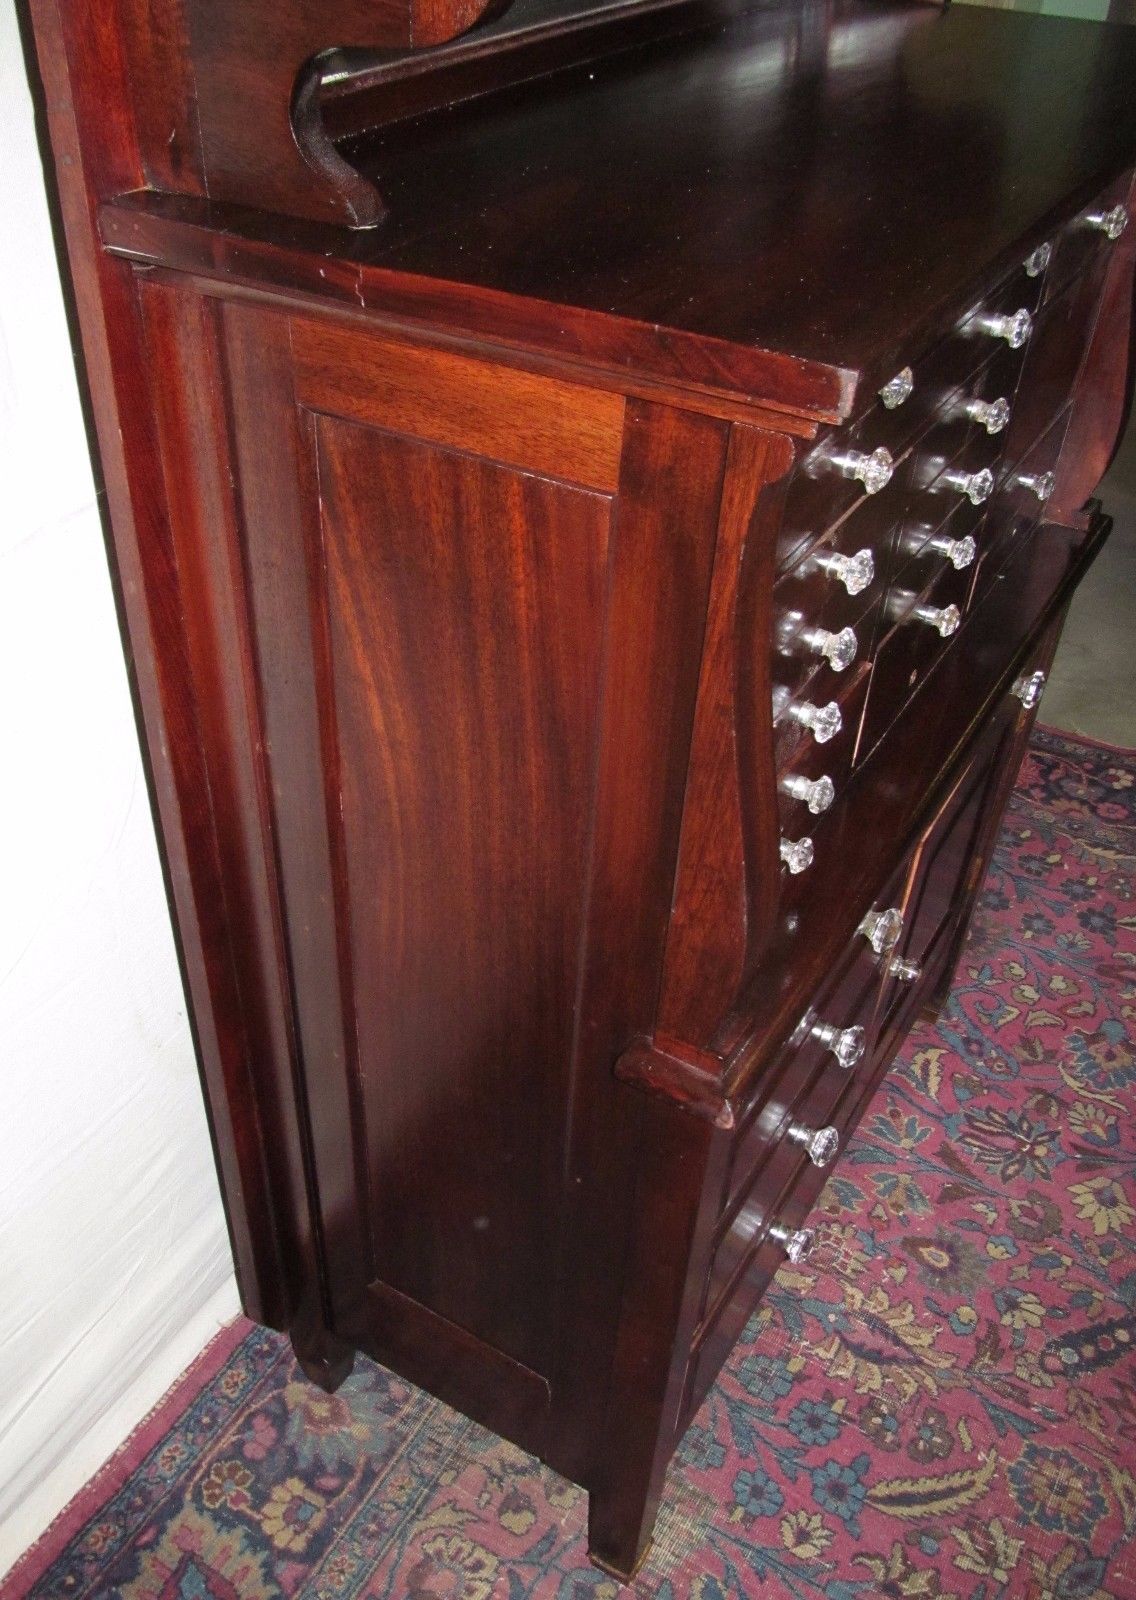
257, 67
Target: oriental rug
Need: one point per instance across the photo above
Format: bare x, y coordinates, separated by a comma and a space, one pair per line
942, 1402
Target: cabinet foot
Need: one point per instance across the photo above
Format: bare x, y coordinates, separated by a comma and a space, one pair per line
323, 1358
619, 1536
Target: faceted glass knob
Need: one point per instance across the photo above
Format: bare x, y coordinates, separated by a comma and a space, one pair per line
976, 486
945, 619
1015, 326
993, 415
959, 552
821, 1144
838, 649
823, 722
846, 1044
905, 971
854, 572
882, 929
797, 854
1029, 690
1112, 223
1041, 484
818, 794
898, 389
796, 1242
873, 471
1038, 260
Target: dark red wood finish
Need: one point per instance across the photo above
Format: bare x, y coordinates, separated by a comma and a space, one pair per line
458, 559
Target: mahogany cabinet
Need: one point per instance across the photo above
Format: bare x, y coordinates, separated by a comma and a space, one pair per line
594, 493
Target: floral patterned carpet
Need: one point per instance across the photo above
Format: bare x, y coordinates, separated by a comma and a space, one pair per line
942, 1403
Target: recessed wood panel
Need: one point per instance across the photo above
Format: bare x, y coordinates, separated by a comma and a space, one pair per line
465, 607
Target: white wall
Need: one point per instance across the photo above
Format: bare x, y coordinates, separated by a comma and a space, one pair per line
114, 1263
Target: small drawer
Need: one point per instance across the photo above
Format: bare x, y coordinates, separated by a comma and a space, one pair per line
950, 540
900, 412
916, 641
1000, 320
802, 760
833, 1043
971, 419
1054, 360
924, 551
938, 374
995, 331
824, 491
1018, 504
1088, 237
825, 612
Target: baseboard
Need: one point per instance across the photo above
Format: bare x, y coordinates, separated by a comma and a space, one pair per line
137, 1365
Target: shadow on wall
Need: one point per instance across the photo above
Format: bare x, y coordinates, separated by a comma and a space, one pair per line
113, 1252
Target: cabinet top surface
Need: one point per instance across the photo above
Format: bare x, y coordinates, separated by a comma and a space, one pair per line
817, 181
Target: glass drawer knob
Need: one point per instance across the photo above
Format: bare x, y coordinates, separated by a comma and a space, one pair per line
905, 971
1029, 689
944, 619
796, 1242
854, 572
821, 1144
976, 486
1041, 484
846, 1044
1038, 260
838, 649
873, 471
823, 722
898, 389
1014, 326
817, 793
797, 854
1111, 223
882, 929
959, 552
993, 415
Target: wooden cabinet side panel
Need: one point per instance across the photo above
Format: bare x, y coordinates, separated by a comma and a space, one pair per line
190, 415
478, 682
278, 497
465, 616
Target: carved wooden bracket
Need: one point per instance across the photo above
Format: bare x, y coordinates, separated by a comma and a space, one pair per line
257, 67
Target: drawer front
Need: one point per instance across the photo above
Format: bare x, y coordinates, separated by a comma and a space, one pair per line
1054, 360
948, 367
802, 760
1082, 242
823, 492
771, 1212
923, 551
941, 885
847, 1001
1018, 505
825, 488
773, 1182
794, 1115
828, 592
909, 652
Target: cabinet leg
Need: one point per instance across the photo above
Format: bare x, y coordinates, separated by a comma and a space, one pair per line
323, 1358
620, 1525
